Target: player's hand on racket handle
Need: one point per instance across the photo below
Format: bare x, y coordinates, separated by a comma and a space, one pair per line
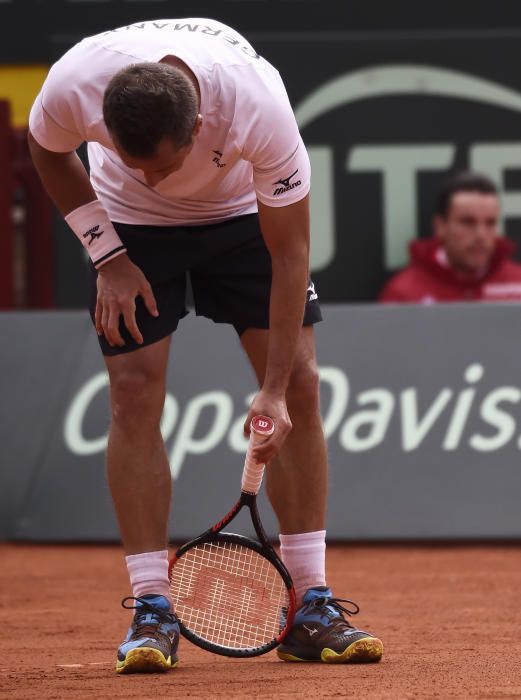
119, 283
274, 406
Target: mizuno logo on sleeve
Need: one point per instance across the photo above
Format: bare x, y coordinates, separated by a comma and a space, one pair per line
286, 183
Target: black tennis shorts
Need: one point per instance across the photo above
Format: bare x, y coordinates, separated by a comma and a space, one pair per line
230, 271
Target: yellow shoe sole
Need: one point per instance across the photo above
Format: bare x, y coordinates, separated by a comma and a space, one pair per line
145, 660
363, 651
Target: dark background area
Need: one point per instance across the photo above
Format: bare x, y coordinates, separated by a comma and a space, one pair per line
312, 42
39, 30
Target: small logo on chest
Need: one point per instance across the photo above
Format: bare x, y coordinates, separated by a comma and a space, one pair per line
217, 159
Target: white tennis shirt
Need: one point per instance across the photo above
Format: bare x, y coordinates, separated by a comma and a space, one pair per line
249, 145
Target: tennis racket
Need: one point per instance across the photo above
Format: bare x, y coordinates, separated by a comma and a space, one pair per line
232, 594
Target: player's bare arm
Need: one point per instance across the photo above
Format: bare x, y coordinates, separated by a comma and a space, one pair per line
286, 233
119, 280
63, 176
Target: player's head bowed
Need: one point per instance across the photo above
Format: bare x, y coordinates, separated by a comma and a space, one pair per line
147, 102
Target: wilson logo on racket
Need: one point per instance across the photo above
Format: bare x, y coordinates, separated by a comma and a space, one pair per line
243, 596
263, 425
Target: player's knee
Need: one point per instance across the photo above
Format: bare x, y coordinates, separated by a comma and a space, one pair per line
136, 398
302, 395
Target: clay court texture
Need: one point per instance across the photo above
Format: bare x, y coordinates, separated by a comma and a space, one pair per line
449, 617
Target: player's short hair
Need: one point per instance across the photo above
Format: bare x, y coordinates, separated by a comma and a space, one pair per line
466, 181
145, 102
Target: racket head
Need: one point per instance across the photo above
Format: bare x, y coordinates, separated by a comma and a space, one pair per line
232, 595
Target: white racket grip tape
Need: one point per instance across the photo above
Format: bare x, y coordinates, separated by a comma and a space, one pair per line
261, 428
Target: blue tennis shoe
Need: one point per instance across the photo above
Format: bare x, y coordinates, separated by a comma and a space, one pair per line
152, 640
320, 632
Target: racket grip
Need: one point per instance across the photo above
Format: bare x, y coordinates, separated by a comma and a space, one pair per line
261, 428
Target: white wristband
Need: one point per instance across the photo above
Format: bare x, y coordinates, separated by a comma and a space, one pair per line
92, 226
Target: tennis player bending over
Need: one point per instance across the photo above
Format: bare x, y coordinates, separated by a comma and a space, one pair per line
196, 165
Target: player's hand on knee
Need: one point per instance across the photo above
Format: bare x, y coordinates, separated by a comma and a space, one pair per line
119, 283
275, 407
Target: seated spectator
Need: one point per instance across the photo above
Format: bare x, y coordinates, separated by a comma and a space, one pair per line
466, 259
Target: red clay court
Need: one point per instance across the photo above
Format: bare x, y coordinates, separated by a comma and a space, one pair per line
449, 617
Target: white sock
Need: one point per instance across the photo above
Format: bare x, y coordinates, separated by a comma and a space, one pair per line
149, 573
304, 556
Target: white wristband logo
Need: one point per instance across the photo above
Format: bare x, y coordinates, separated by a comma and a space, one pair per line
93, 233
96, 233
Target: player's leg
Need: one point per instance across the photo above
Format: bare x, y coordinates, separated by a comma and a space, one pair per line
137, 464
140, 484
234, 286
297, 488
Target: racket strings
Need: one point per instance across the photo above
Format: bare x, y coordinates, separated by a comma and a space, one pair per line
229, 594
